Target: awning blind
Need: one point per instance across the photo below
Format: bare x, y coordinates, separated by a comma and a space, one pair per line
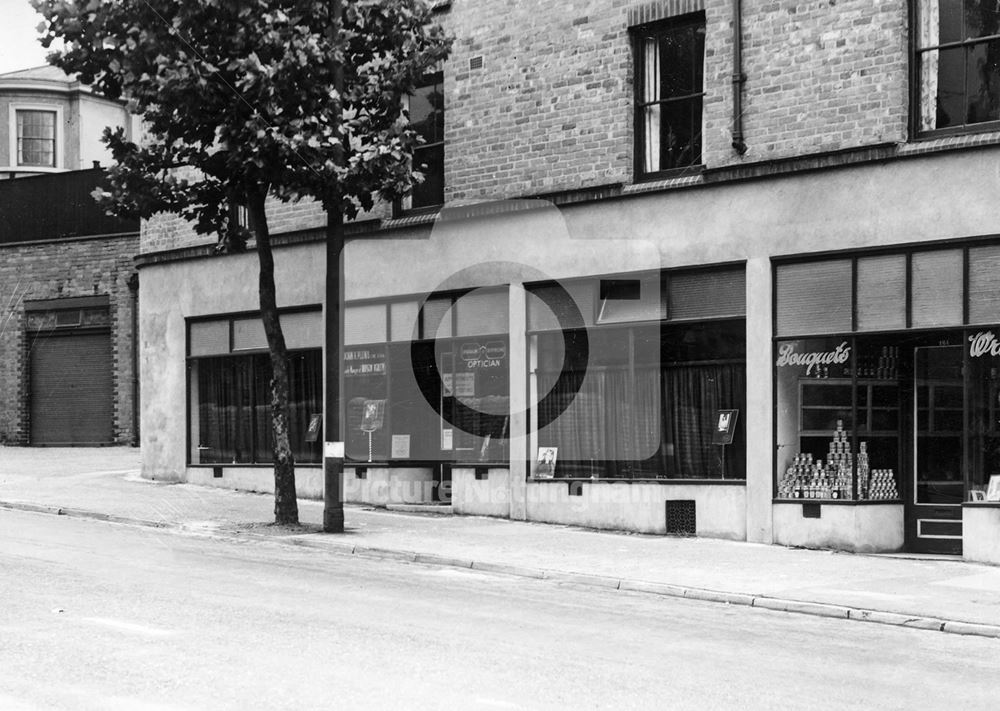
936, 288
882, 292
814, 297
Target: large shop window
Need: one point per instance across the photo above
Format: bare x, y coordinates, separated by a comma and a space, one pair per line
669, 94
639, 395
958, 65
839, 417
428, 380
229, 386
910, 412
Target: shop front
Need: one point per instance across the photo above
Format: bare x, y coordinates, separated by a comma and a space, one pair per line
887, 422
425, 393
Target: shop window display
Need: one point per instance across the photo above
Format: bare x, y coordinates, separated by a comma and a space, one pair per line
645, 404
231, 408
983, 434
439, 389
838, 419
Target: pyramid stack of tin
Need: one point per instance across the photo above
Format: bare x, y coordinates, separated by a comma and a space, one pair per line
840, 460
807, 478
882, 485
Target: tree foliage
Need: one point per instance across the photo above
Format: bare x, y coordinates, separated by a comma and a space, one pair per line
245, 99
242, 92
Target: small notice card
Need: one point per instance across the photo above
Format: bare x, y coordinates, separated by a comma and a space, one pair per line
400, 446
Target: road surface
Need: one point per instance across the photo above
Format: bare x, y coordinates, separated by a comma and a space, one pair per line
102, 616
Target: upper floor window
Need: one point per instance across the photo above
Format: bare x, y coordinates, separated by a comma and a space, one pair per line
426, 109
669, 61
958, 65
36, 138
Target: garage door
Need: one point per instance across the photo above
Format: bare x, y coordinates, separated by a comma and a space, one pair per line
71, 390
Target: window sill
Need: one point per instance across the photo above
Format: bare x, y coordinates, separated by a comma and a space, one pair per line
664, 181
937, 141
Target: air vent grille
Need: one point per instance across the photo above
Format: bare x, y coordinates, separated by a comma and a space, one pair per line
681, 518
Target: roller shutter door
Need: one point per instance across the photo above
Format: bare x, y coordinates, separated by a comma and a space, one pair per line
71, 390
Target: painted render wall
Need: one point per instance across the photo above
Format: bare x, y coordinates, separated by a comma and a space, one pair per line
221, 284
874, 204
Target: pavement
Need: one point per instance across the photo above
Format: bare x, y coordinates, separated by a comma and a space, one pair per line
941, 594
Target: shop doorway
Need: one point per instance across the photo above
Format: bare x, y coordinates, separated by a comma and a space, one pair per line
937, 481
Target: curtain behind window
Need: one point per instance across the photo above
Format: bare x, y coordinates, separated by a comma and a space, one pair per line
617, 425
225, 416
692, 397
651, 92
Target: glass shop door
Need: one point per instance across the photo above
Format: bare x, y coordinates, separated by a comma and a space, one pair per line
934, 502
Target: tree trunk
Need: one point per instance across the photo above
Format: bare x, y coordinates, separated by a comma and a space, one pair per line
286, 507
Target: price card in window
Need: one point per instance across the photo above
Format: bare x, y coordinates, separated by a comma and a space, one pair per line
400, 446
447, 439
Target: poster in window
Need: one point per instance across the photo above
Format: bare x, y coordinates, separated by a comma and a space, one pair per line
725, 426
373, 415
315, 425
546, 467
993, 493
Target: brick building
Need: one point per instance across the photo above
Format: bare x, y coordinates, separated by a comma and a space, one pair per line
682, 266
67, 283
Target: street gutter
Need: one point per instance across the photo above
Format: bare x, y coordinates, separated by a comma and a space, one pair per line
800, 607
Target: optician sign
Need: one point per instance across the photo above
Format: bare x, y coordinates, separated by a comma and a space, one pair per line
483, 355
787, 356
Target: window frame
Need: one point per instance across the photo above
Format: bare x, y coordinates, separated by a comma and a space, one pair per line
916, 51
234, 353
405, 205
451, 342
660, 29
667, 325
14, 137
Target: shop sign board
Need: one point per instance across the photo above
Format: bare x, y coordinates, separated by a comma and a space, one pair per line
364, 361
787, 356
483, 355
983, 343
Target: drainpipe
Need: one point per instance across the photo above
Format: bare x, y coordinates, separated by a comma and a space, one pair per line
133, 286
739, 78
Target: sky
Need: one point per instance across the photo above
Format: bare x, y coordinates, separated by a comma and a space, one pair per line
19, 47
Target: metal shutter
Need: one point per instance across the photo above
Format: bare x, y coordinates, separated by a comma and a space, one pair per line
71, 390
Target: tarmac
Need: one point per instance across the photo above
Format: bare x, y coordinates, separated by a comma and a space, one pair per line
943, 594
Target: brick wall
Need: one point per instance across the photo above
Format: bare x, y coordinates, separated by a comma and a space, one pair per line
63, 269
550, 107
821, 75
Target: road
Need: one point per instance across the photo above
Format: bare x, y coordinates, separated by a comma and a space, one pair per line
103, 616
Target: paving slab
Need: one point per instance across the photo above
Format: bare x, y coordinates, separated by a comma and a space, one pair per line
926, 592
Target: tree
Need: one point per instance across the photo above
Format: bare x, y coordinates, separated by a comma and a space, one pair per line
246, 99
